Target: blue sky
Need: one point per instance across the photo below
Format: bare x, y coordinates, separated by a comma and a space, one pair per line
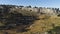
39, 3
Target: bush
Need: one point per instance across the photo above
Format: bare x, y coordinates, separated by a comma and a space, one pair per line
55, 30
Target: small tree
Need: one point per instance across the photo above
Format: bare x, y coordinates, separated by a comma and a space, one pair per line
35, 7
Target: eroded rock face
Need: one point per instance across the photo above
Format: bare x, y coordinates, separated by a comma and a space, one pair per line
18, 19
14, 20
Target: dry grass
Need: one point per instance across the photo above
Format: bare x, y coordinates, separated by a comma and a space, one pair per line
43, 25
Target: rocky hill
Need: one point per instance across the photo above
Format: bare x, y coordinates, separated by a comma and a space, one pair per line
20, 20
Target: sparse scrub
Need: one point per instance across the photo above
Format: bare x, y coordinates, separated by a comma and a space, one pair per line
44, 16
55, 30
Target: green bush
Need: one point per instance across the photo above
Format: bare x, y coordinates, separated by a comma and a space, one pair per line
55, 30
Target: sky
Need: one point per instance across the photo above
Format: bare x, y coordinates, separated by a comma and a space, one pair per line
38, 3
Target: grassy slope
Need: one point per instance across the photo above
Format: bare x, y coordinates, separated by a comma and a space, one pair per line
43, 25
39, 25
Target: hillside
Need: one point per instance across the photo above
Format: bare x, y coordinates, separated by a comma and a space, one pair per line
17, 21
